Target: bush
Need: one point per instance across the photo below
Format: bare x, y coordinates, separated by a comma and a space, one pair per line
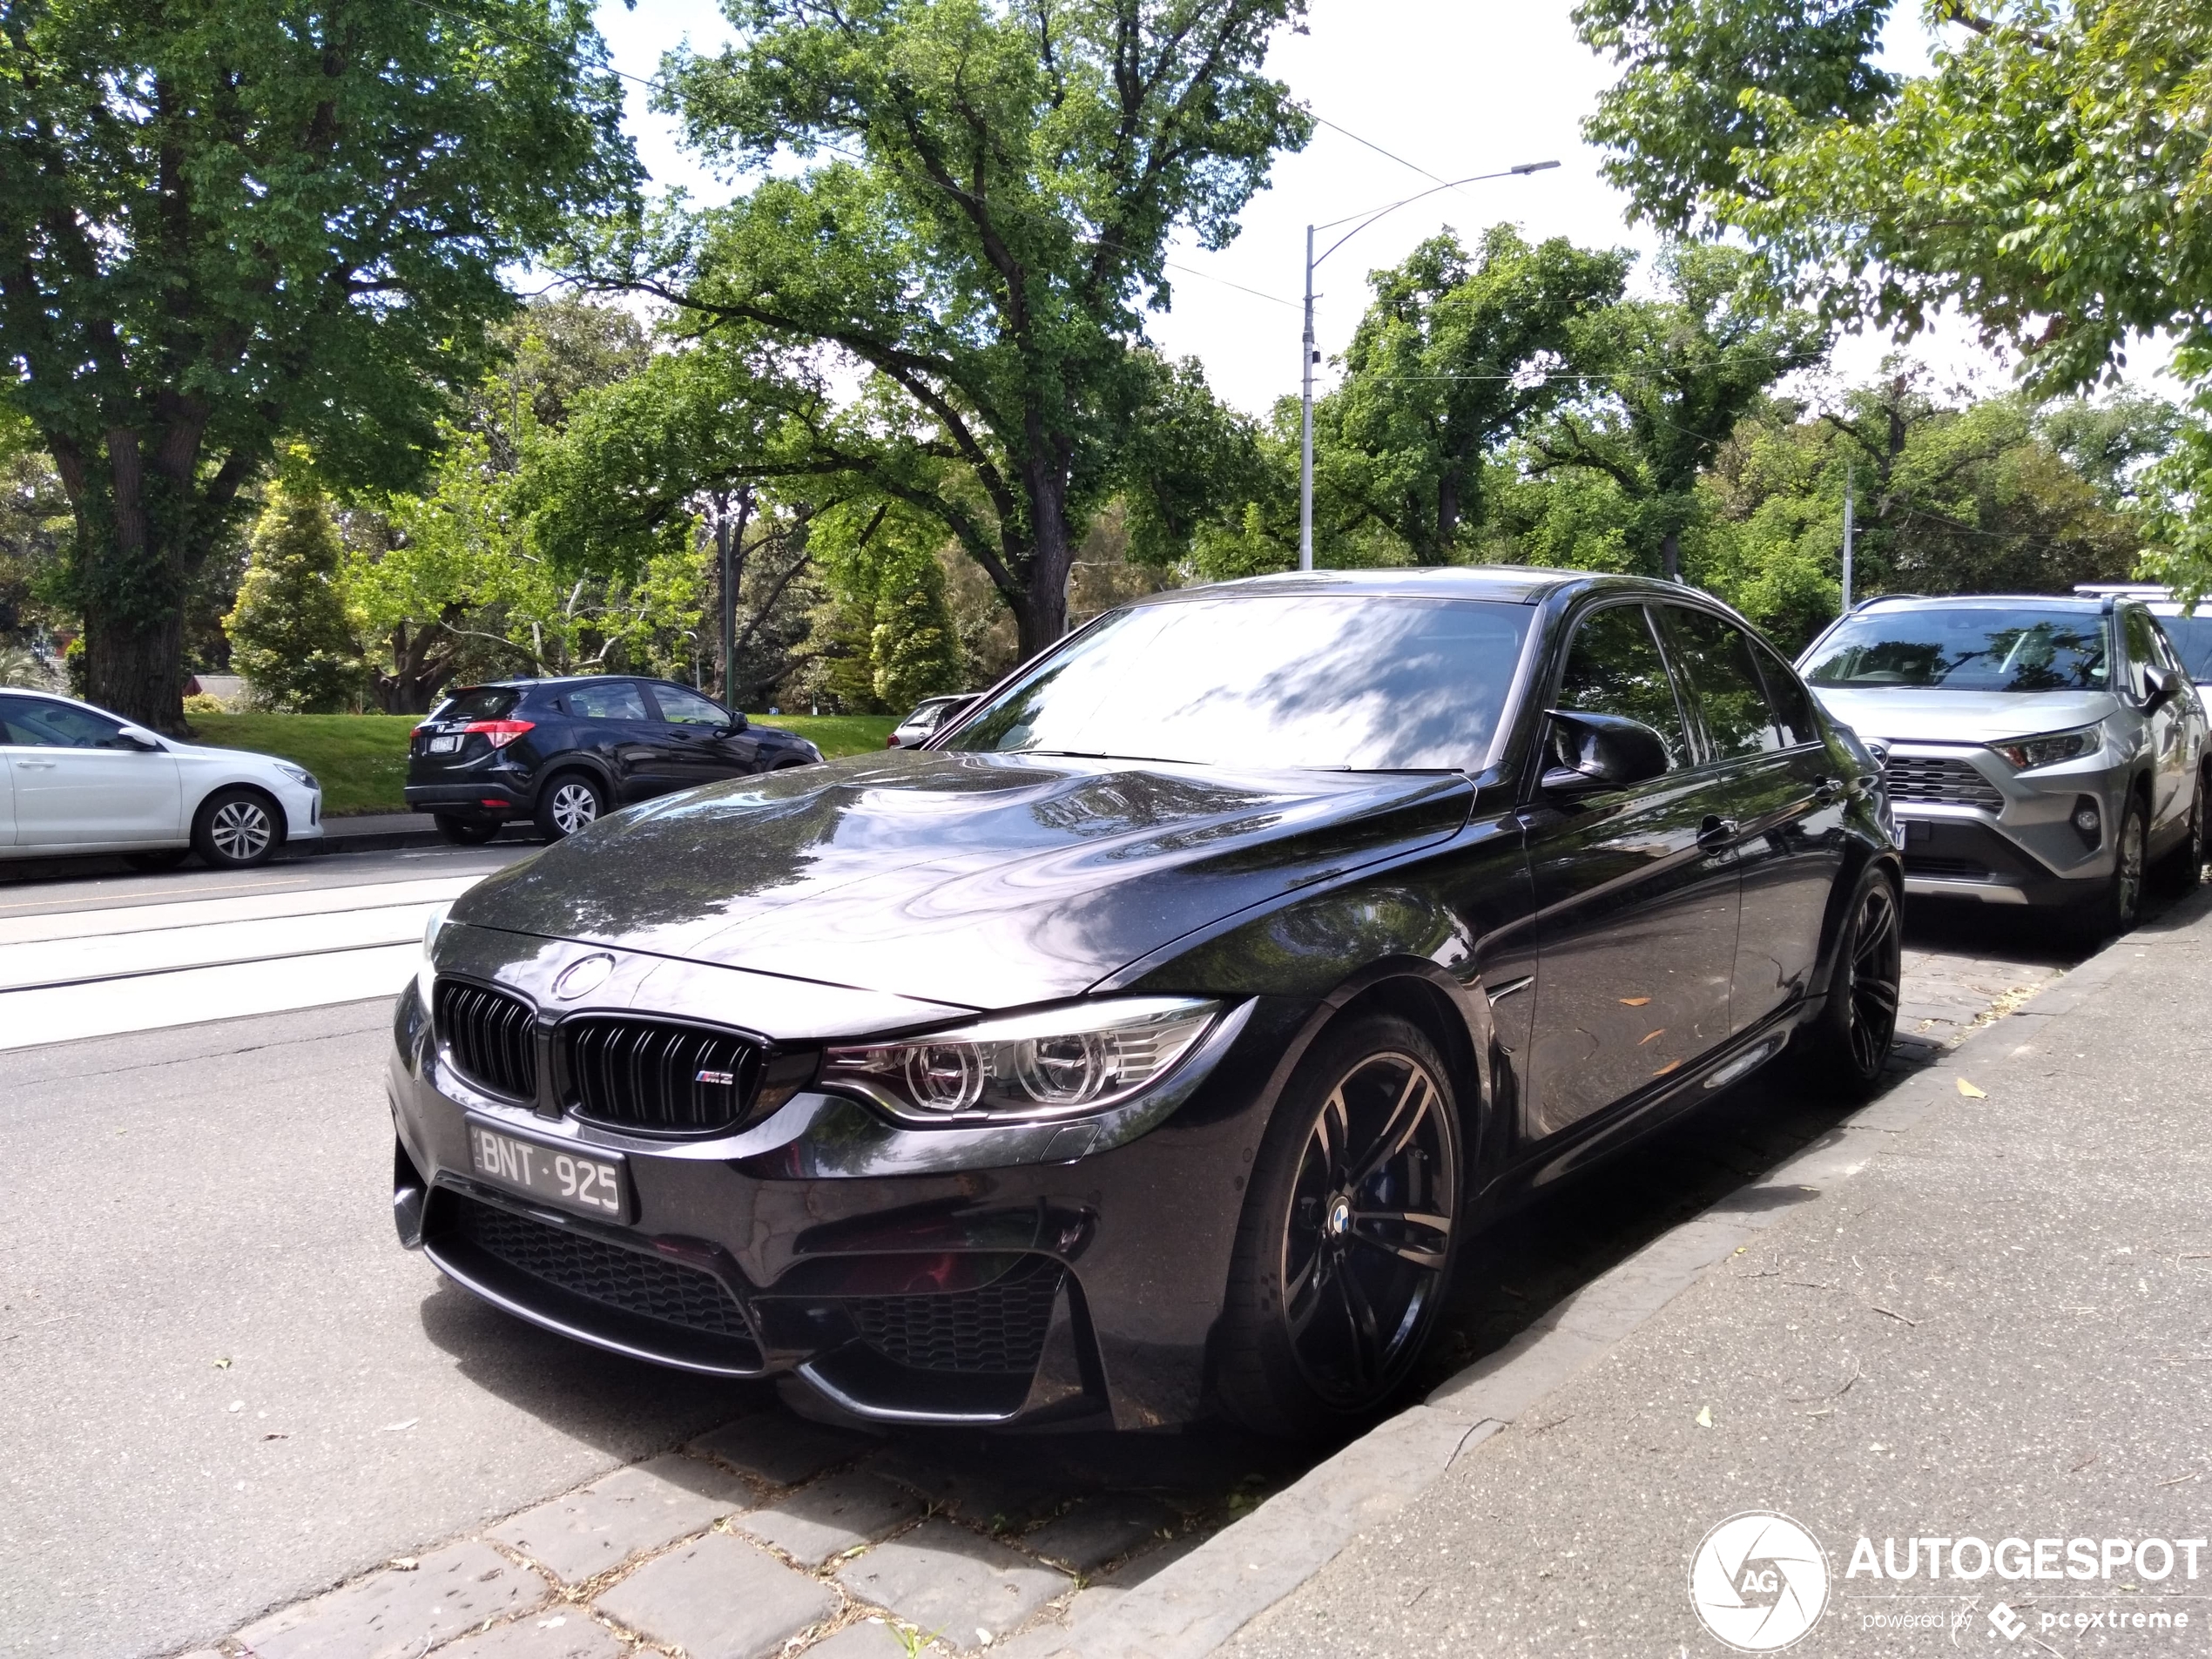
289, 635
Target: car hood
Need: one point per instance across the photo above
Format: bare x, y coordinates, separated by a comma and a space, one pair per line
982, 880
1911, 714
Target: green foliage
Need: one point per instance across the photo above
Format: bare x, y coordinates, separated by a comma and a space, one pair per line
885, 632
288, 632
985, 238
1677, 373
34, 532
1454, 356
231, 224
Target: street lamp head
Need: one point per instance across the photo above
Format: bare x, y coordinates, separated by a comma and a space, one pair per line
1535, 167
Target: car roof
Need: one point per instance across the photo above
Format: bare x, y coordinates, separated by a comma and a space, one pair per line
1501, 583
528, 682
2082, 603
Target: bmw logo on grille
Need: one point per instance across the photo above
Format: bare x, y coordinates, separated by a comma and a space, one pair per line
580, 977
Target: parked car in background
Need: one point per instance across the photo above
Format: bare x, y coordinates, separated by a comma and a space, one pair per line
1153, 1046
2037, 750
79, 779
562, 753
2191, 635
930, 716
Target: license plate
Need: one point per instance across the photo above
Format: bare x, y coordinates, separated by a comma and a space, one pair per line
444, 746
584, 1183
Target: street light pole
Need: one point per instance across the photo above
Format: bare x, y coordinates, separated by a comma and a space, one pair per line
1305, 423
1306, 413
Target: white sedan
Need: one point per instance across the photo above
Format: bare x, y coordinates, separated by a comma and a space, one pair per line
77, 780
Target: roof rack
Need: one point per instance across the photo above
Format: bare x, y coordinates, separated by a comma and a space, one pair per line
2123, 589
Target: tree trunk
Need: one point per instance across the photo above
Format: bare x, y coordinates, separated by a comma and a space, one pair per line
134, 666
1041, 615
1670, 556
1447, 518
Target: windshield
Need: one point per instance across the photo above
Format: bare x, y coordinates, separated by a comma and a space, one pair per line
1325, 682
1967, 648
2192, 637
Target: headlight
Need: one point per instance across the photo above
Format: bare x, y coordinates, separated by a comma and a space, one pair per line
1055, 1062
2027, 753
298, 775
426, 970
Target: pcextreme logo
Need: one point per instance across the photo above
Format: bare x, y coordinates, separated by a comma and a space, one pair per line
1759, 1582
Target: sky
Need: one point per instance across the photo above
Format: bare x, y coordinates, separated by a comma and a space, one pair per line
1452, 87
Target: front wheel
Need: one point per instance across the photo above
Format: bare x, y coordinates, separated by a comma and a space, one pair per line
570, 802
1350, 1227
1847, 1046
236, 829
2120, 907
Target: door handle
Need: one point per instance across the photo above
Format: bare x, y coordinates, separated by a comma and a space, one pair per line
35, 766
1826, 790
1715, 832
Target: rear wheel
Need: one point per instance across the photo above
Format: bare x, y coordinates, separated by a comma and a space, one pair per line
567, 804
2183, 867
1848, 1047
465, 832
1350, 1227
236, 829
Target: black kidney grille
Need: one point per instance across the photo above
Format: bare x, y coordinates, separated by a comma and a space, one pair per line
491, 1036
647, 1075
999, 1328
602, 1273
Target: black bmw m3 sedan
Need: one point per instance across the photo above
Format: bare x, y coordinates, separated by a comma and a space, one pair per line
1149, 1043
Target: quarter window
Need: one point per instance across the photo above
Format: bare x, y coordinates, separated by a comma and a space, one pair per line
616, 700
1614, 667
1716, 659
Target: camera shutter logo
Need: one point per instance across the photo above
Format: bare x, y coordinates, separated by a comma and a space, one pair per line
1759, 1582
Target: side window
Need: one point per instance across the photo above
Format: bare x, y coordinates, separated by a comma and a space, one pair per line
1793, 707
680, 707
2143, 655
1723, 675
616, 700
34, 723
1614, 667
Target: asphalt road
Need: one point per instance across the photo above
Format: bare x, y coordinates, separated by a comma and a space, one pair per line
222, 1386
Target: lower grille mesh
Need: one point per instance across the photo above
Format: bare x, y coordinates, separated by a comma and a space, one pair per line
999, 1328
603, 1273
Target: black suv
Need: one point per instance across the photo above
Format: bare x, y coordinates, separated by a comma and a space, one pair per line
562, 752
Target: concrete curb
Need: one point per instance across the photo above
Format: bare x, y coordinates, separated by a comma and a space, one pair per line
1192, 1608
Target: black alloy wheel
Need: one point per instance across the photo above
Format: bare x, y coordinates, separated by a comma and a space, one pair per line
1847, 1047
465, 832
568, 803
1351, 1228
236, 829
2183, 868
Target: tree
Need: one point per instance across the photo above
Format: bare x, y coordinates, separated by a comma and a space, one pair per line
1672, 377
229, 223
984, 241
289, 635
1455, 356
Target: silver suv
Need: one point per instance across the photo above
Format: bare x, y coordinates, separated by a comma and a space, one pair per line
2038, 751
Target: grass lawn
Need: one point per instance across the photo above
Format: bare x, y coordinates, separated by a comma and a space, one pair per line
360, 760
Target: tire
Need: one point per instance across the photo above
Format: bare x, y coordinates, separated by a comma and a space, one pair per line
466, 832
154, 863
1350, 1228
1847, 1047
238, 828
2181, 870
570, 801
2120, 907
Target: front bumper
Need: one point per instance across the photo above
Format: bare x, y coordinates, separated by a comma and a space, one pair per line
1971, 828
1031, 1272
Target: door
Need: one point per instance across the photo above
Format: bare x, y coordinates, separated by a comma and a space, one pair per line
1635, 916
621, 730
1780, 794
74, 781
700, 746
2170, 725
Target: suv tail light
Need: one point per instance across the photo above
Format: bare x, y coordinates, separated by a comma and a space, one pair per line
500, 733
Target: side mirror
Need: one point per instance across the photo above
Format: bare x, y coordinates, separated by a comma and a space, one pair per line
1601, 751
738, 724
2168, 688
144, 742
